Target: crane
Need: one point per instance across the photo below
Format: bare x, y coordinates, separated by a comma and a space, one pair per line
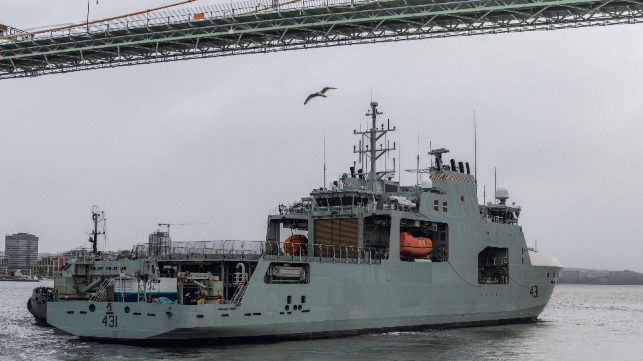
179, 224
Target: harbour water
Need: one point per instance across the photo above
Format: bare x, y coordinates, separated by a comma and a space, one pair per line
580, 323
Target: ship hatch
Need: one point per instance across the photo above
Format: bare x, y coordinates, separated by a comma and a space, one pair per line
493, 266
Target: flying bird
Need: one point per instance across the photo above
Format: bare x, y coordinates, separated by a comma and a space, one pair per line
318, 94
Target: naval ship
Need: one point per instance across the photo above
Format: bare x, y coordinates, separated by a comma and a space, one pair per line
365, 254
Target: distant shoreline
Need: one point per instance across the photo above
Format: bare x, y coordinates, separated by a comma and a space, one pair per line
599, 277
598, 282
14, 280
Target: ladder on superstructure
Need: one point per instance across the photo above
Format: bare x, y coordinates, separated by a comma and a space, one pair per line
241, 290
101, 295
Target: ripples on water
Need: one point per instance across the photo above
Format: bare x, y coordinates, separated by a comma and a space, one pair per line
580, 323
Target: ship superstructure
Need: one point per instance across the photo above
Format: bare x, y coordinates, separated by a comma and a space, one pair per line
365, 254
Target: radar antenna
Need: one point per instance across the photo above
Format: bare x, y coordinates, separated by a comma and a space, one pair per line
438, 157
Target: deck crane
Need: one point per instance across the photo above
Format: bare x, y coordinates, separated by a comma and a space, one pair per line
179, 224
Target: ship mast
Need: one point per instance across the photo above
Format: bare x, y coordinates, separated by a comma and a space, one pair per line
374, 135
97, 216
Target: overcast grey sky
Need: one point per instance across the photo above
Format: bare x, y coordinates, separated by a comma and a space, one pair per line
221, 141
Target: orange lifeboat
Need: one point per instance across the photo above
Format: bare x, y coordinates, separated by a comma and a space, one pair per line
293, 244
414, 247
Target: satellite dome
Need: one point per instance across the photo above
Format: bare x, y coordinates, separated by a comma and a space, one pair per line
426, 183
502, 194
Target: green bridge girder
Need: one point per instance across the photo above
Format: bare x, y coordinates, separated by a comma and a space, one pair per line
294, 28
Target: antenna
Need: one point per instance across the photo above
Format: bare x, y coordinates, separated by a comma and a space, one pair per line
475, 150
373, 152
495, 186
324, 185
399, 153
97, 216
431, 148
484, 194
417, 168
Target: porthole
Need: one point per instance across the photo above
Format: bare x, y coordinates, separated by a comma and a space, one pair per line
287, 307
127, 309
299, 307
92, 308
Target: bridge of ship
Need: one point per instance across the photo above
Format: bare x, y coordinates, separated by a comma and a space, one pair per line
253, 27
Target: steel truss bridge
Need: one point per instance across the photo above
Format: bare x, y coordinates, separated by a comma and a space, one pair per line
252, 27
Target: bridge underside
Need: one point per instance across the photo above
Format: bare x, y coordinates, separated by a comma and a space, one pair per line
292, 27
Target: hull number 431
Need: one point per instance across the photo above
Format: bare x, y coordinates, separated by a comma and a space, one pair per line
110, 321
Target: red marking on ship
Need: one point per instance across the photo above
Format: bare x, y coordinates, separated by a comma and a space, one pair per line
452, 177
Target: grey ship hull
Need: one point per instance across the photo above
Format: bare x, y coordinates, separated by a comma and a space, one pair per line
341, 299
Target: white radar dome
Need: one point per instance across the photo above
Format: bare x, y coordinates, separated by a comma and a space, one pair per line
390, 173
502, 194
427, 183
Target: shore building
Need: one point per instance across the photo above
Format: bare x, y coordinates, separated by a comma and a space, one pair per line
22, 250
4, 263
50, 266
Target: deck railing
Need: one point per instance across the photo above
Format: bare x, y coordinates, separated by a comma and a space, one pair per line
173, 16
324, 253
231, 249
205, 249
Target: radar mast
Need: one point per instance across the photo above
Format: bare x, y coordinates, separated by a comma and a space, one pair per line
97, 216
374, 154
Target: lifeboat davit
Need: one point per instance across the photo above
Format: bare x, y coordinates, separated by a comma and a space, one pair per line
414, 247
293, 244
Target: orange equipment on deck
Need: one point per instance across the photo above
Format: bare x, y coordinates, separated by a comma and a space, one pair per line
293, 243
414, 247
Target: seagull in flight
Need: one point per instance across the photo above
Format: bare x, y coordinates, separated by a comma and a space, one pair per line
318, 94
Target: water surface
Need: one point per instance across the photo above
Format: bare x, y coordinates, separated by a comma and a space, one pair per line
581, 322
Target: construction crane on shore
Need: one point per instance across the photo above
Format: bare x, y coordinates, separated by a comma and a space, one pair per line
179, 224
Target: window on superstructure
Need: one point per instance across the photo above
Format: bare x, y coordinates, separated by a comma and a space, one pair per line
321, 202
444, 206
334, 201
347, 201
436, 205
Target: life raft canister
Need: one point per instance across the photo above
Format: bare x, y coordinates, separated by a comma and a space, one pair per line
293, 244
